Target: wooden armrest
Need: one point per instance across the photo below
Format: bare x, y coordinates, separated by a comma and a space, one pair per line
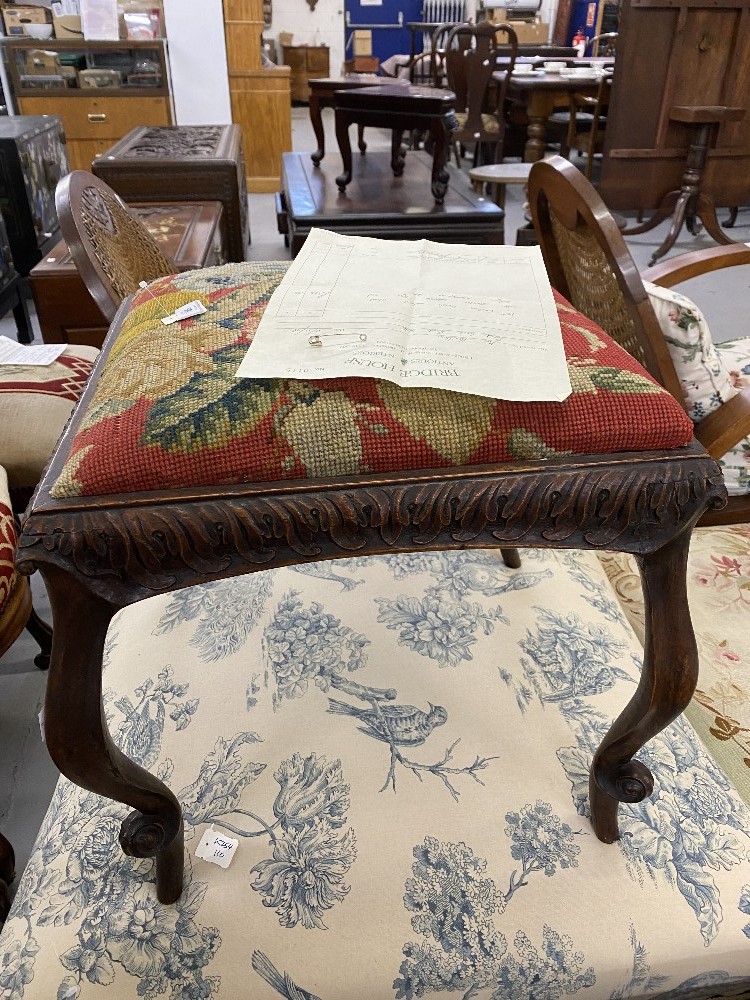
727, 426
690, 265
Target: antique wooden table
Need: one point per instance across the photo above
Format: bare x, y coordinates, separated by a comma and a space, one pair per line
322, 96
541, 93
142, 497
379, 204
398, 107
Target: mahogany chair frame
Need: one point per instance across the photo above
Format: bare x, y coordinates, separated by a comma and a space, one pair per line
563, 202
109, 270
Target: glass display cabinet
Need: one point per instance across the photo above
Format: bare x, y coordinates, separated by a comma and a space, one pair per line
101, 90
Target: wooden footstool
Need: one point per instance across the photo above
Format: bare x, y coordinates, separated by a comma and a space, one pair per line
174, 472
189, 233
183, 163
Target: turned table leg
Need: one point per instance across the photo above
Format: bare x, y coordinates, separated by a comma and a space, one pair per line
79, 742
668, 679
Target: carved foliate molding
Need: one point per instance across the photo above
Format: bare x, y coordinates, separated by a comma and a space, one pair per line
130, 552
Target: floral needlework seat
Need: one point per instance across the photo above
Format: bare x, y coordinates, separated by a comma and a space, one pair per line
170, 400
401, 746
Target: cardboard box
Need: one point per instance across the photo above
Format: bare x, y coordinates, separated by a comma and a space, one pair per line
362, 64
534, 32
16, 17
285, 38
67, 26
362, 43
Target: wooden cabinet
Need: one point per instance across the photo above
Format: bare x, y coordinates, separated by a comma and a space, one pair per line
307, 62
259, 95
32, 161
52, 80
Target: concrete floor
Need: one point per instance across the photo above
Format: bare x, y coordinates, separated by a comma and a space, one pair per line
27, 776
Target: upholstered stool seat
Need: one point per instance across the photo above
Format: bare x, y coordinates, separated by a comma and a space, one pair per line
401, 746
168, 409
35, 403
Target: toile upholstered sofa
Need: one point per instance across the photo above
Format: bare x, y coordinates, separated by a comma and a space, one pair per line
401, 746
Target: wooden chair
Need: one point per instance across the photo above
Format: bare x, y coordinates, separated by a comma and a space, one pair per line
602, 45
428, 68
471, 59
587, 123
111, 249
589, 263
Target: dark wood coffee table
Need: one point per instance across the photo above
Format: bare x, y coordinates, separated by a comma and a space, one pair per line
379, 204
322, 96
400, 108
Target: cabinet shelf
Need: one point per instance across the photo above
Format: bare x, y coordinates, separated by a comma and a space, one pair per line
54, 76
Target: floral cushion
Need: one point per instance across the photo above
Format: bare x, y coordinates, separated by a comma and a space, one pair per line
704, 377
719, 593
401, 745
35, 403
735, 356
8, 542
169, 409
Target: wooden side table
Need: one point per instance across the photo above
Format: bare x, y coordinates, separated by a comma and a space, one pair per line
399, 108
322, 95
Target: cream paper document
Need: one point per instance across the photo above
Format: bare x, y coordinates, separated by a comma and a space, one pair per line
476, 319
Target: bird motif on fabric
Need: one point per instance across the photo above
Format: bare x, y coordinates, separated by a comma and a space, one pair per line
405, 725
283, 984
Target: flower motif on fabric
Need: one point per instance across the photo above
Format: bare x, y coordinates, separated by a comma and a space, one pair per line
306, 644
456, 906
437, 627
311, 854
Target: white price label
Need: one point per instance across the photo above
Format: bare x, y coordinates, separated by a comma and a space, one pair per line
216, 848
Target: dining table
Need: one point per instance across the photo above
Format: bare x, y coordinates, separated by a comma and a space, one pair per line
541, 92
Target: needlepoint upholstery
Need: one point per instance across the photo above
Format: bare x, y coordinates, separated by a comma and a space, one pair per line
453, 860
35, 403
169, 410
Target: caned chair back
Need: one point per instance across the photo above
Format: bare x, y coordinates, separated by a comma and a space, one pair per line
588, 262
111, 249
471, 59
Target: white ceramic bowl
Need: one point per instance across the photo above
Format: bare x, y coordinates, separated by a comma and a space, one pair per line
39, 30
524, 69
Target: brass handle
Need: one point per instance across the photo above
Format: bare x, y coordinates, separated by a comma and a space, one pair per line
97, 118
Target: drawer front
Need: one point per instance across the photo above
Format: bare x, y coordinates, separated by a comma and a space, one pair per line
317, 61
101, 117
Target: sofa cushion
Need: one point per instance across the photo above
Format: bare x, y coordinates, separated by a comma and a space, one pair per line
35, 403
169, 409
703, 375
400, 744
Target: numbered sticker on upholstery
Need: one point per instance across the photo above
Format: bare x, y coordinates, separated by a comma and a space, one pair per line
216, 848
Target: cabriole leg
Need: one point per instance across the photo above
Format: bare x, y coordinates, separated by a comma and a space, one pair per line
79, 742
668, 679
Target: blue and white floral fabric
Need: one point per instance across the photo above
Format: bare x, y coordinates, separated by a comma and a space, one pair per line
401, 745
